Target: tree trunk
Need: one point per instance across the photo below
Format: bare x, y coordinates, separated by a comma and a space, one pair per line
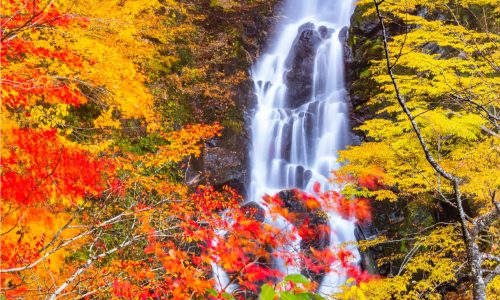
474, 256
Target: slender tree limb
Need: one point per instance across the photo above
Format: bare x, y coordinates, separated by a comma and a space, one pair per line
87, 264
57, 234
15, 225
487, 256
61, 245
474, 256
492, 275
402, 103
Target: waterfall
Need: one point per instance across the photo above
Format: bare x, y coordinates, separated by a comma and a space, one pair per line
301, 117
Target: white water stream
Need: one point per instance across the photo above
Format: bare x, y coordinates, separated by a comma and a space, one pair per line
301, 117
295, 141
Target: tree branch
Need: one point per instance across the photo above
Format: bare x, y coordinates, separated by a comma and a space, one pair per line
87, 264
474, 258
402, 102
486, 220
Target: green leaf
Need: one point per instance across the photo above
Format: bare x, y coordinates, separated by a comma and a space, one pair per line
313, 296
288, 296
300, 296
212, 292
267, 292
296, 278
304, 296
226, 295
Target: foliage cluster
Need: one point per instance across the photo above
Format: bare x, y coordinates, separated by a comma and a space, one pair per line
443, 58
94, 202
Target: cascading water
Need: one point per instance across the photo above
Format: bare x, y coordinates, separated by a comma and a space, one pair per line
301, 118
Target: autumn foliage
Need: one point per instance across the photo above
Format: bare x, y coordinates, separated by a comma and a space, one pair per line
19, 51
42, 169
429, 155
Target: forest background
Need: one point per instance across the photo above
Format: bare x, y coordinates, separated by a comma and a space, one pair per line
107, 104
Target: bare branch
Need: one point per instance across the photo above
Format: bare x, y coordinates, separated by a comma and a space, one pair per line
492, 274
402, 102
487, 219
487, 256
87, 264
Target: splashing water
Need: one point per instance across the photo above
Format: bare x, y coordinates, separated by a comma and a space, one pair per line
302, 118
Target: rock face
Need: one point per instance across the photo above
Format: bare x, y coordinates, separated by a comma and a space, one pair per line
299, 79
361, 44
224, 166
367, 231
224, 160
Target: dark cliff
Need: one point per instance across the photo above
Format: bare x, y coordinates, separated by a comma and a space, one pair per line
224, 160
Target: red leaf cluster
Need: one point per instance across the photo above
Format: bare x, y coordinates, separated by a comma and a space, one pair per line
39, 165
23, 13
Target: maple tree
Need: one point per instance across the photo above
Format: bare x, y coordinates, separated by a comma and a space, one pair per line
53, 177
93, 198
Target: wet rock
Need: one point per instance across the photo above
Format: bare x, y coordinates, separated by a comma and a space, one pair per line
299, 177
286, 147
225, 160
306, 26
367, 231
308, 215
325, 32
299, 78
361, 44
292, 202
222, 166
367, 27
310, 128
254, 210
267, 86
343, 34
307, 176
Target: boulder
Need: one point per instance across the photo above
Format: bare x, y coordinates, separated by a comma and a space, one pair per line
325, 32
254, 210
222, 166
344, 33
300, 61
